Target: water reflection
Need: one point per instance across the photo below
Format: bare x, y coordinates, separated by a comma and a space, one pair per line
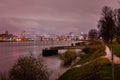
15, 53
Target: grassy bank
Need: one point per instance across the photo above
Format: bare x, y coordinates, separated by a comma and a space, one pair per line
91, 52
100, 69
116, 49
93, 66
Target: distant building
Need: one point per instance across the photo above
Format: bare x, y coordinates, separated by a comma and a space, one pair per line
7, 37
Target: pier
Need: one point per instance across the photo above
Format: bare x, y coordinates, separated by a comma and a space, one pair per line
54, 50
66, 47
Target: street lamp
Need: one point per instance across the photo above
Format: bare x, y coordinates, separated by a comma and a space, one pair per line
112, 58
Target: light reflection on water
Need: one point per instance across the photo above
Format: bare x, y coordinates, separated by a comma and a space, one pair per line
15, 54
10, 51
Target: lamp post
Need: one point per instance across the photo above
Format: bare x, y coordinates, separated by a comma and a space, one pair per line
112, 58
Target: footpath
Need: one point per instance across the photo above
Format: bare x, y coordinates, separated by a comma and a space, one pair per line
108, 55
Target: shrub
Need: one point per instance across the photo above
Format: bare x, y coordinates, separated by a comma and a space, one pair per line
3, 76
28, 68
68, 56
86, 50
82, 54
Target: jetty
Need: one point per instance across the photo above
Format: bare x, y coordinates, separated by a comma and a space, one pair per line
54, 50
66, 47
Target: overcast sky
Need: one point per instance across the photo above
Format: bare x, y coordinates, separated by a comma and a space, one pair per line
51, 16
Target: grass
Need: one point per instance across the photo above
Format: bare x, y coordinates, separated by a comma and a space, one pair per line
96, 67
100, 69
106, 72
92, 52
116, 49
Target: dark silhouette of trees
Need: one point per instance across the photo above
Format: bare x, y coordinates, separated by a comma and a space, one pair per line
28, 68
117, 23
106, 25
93, 34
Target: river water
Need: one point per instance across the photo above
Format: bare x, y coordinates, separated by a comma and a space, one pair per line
10, 52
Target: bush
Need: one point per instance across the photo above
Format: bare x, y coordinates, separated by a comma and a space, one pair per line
28, 68
82, 54
3, 76
67, 57
86, 50
94, 48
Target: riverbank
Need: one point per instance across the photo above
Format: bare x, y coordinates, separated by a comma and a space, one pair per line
92, 68
11, 51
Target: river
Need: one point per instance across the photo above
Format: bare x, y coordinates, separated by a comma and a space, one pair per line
10, 52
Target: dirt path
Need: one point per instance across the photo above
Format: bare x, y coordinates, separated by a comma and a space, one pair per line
109, 55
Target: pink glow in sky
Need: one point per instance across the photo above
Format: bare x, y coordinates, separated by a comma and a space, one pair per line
51, 16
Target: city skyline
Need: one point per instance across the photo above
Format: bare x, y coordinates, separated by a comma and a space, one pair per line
51, 16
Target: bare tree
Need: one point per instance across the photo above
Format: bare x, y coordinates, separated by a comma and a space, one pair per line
106, 24
28, 68
93, 34
117, 23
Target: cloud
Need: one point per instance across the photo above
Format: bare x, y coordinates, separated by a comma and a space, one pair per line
51, 16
